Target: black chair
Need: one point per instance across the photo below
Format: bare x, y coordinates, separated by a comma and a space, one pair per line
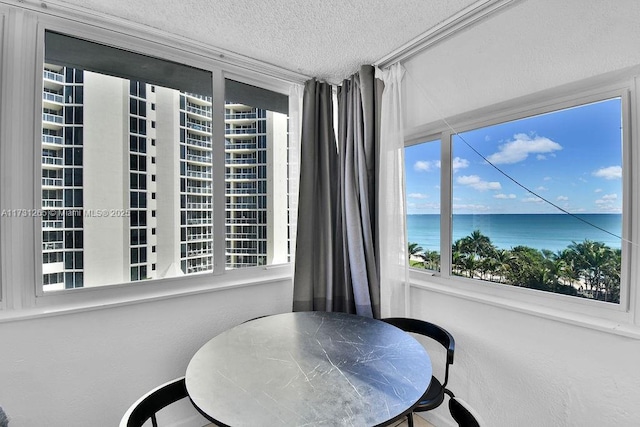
256, 318
435, 394
462, 413
148, 405
4, 420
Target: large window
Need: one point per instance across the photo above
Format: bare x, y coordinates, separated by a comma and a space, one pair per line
535, 202
129, 171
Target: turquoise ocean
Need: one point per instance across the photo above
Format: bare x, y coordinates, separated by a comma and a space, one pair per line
540, 231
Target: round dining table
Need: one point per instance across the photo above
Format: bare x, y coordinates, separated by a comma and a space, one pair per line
308, 369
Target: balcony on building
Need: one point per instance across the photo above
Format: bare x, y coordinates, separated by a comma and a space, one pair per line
195, 189
197, 99
199, 127
239, 145
199, 157
52, 118
201, 141
199, 112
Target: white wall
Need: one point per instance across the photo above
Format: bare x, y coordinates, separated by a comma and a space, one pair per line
518, 369
85, 369
531, 46
522, 370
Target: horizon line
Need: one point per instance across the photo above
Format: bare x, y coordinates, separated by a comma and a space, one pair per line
528, 213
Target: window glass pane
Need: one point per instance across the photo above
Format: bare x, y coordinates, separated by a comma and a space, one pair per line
256, 152
95, 125
422, 177
96, 152
537, 202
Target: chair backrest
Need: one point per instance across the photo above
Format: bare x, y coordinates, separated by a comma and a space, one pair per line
148, 405
430, 330
463, 414
4, 420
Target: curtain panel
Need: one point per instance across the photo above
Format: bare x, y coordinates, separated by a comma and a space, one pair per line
318, 269
358, 139
392, 231
336, 255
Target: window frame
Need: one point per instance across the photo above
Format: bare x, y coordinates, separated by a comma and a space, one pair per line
579, 310
2, 49
21, 248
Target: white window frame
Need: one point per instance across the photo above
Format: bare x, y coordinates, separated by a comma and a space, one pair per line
619, 318
2, 49
21, 255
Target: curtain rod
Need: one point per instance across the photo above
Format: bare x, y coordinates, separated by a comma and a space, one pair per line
458, 22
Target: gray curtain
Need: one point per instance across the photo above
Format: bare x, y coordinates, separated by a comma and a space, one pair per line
336, 263
318, 247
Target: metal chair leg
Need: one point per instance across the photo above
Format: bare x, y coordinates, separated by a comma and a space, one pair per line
410, 419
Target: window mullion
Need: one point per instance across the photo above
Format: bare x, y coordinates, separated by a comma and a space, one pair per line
630, 294
445, 203
219, 202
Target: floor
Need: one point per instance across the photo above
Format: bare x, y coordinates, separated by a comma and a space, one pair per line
418, 421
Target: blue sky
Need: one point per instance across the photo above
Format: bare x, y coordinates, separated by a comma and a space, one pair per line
572, 158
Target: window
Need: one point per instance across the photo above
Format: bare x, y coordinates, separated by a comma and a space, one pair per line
121, 224
96, 186
535, 202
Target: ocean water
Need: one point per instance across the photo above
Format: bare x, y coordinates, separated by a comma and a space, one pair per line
547, 231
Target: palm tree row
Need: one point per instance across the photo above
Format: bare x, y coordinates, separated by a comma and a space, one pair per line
588, 269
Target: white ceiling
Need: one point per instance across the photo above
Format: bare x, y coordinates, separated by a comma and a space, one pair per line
327, 39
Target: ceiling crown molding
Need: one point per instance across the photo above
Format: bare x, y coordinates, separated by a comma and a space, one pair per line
458, 22
104, 21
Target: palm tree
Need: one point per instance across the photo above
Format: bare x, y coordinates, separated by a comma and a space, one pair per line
477, 244
457, 258
589, 258
492, 263
431, 260
552, 267
475, 248
414, 249
526, 266
569, 273
610, 285
503, 259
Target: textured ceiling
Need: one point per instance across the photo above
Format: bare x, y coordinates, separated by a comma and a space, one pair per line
328, 39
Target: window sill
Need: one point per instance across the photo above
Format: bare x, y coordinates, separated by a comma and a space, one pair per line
620, 323
103, 297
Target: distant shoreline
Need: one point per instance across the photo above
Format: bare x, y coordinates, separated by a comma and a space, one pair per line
550, 231
503, 213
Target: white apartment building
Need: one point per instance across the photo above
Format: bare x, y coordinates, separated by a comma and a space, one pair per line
108, 221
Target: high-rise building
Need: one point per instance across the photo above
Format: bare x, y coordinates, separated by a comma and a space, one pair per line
127, 181
255, 209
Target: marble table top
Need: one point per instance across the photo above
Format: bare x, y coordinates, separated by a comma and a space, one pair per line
308, 369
